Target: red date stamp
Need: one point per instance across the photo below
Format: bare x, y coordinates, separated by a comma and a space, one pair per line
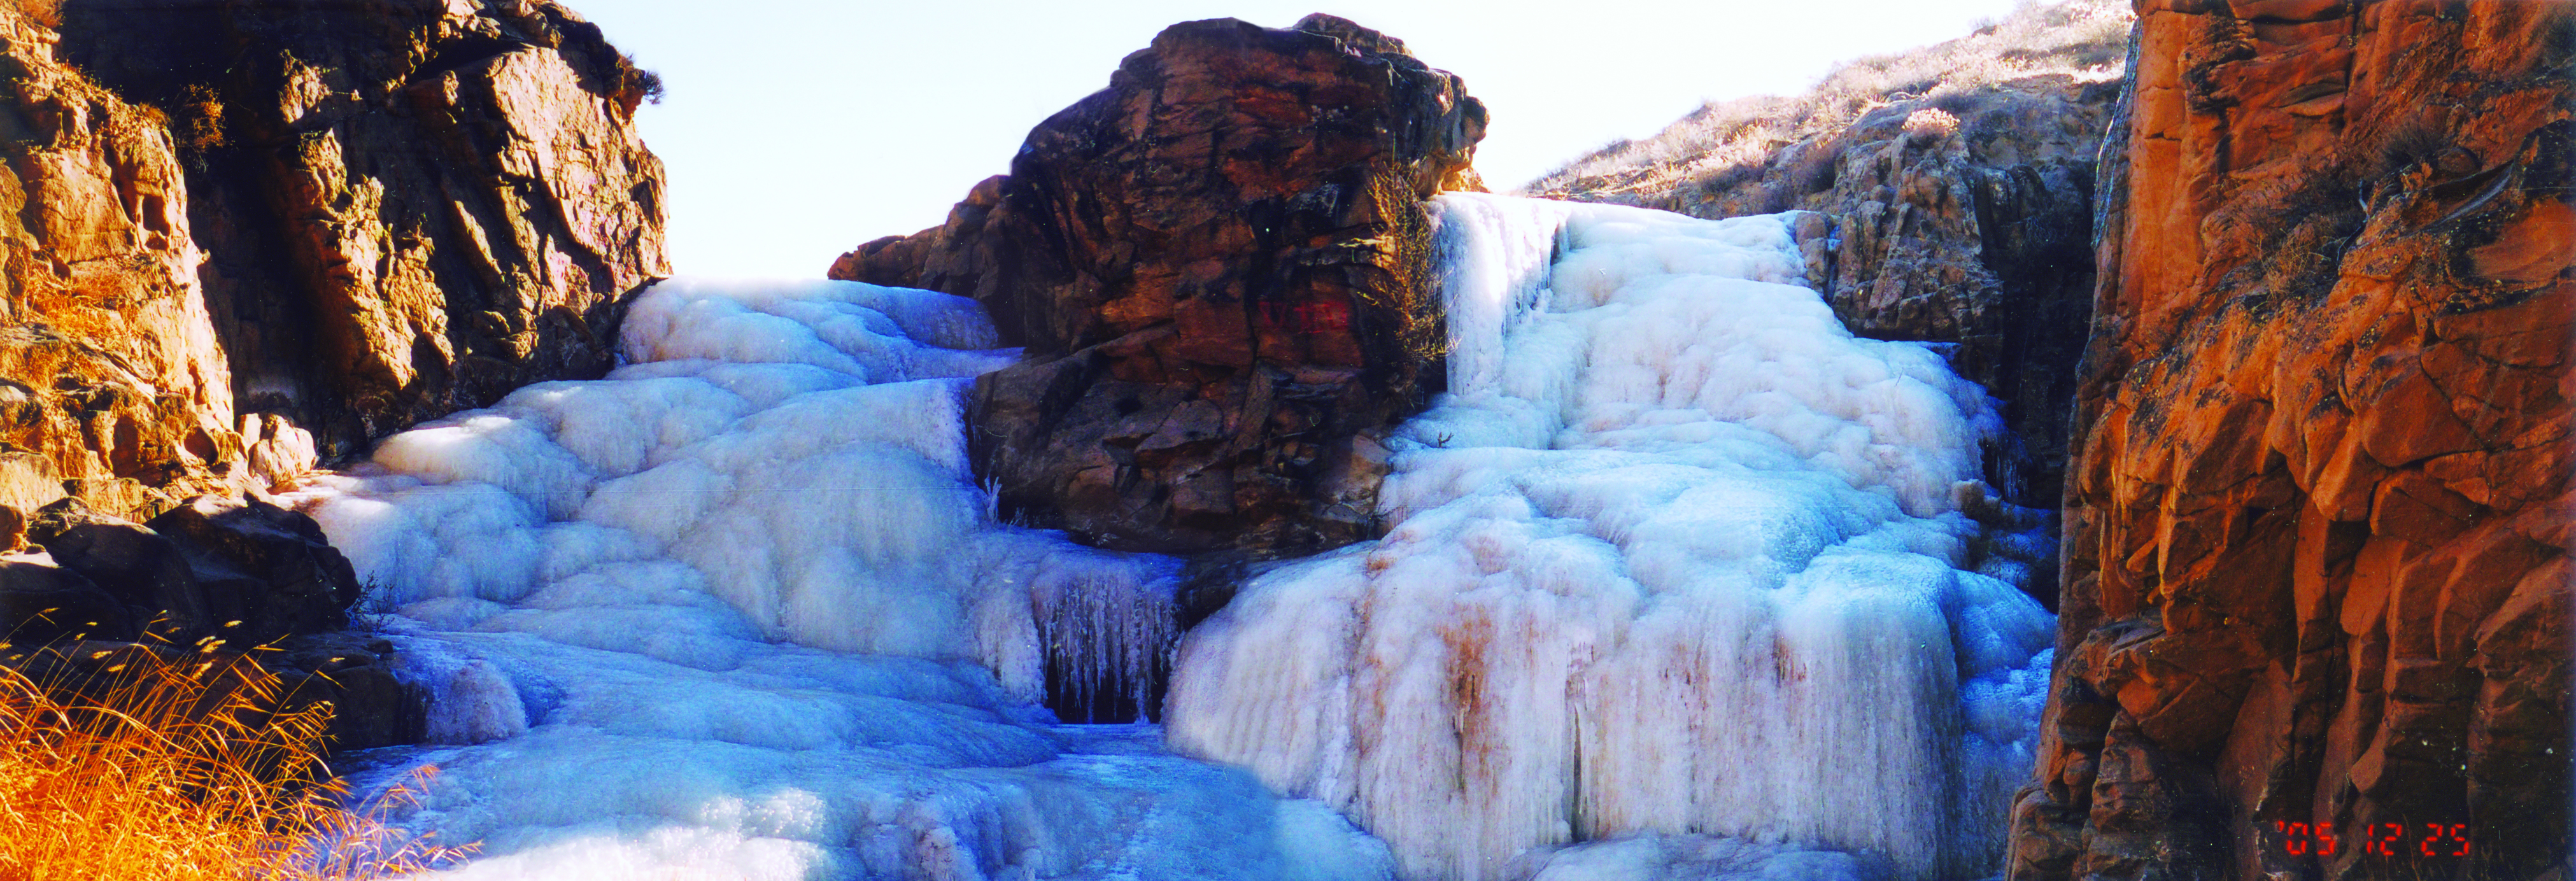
2418, 840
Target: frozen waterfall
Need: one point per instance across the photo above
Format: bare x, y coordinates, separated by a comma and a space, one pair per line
1677, 555
737, 611
1675, 587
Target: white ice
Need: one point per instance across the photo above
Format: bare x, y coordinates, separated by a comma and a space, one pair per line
738, 611
1676, 557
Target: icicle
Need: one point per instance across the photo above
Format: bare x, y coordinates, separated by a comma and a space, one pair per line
1108, 628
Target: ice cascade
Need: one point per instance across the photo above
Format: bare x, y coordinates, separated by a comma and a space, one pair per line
737, 610
1676, 555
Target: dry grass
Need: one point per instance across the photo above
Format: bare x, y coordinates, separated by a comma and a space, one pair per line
1723, 142
121, 762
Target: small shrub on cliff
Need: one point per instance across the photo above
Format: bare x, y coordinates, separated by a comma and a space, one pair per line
637, 86
131, 763
198, 123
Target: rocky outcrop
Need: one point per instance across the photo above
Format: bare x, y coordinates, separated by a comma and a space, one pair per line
112, 382
222, 576
2318, 519
247, 236
240, 238
1218, 266
236, 569
1970, 227
1954, 185
230, 578
42, 602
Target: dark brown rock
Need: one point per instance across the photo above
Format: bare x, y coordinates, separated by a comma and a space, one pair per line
268, 567
236, 569
1218, 266
353, 671
143, 569
2318, 499
41, 601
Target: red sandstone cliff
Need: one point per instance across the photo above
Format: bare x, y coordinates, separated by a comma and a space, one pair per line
2318, 518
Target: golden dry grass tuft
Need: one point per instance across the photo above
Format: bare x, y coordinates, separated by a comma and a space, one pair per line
124, 762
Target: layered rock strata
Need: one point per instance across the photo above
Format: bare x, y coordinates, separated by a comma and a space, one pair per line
2318, 519
1218, 266
250, 235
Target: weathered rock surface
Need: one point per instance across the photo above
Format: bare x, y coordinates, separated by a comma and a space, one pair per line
150, 573
1219, 268
354, 672
2318, 520
292, 228
299, 583
112, 382
240, 238
218, 575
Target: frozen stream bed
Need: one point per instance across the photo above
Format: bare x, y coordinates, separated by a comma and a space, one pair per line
1677, 586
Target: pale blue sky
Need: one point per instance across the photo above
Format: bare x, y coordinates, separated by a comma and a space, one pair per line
795, 129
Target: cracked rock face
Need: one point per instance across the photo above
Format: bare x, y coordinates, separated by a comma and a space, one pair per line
2318, 518
1220, 269
111, 378
247, 236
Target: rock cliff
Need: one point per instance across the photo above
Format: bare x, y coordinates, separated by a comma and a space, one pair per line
2317, 521
248, 235
1218, 267
1953, 186
240, 238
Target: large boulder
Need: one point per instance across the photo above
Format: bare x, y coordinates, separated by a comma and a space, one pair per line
233, 568
2319, 516
146, 571
235, 577
42, 601
268, 567
1219, 266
